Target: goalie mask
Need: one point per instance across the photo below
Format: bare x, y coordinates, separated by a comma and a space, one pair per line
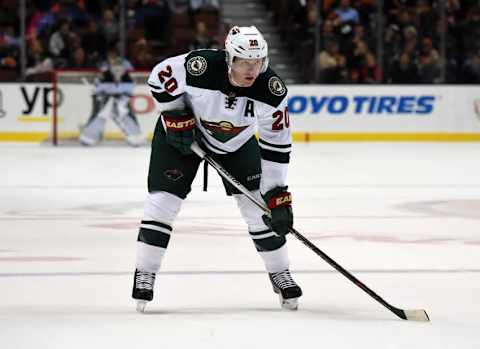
117, 70
247, 43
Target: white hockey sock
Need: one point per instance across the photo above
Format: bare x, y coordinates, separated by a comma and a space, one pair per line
149, 258
276, 260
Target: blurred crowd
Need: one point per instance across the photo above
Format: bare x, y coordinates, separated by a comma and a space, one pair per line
76, 34
355, 44
354, 47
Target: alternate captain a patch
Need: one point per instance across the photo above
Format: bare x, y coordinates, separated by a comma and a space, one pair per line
197, 65
276, 86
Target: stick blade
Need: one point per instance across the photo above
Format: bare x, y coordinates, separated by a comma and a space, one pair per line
416, 315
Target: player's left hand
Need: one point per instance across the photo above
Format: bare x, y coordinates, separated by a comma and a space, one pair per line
279, 201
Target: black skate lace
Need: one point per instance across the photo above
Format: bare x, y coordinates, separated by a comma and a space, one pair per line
144, 280
283, 279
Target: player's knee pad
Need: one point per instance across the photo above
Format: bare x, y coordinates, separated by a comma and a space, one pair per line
161, 209
162, 206
251, 214
264, 238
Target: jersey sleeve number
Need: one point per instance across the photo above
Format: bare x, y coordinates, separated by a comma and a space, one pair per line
282, 120
169, 82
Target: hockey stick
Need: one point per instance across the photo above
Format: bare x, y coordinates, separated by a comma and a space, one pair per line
415, 314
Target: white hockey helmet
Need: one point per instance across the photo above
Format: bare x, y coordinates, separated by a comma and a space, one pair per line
248, 43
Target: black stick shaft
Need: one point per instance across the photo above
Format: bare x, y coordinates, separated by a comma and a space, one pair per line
399, 312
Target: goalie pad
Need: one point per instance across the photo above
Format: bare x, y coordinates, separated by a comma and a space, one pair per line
127, 122
92, 132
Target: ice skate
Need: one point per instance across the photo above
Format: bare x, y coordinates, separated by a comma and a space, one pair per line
143, 284
287, 290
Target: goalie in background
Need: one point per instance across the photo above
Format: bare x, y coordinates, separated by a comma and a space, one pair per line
111, 99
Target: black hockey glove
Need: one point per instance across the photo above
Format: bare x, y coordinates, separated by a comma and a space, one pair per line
180, 129
279, 201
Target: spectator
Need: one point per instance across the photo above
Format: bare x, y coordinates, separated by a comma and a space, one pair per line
410, 40
141, 54
429, 62
327, 60
109, 27
94, 43
471, 31
404, 19
427, 18
346, 13
131, 15
197, 5
8, 62
329, 33
180, 5
60, 43
392, 45
404, 71
471, 70
370, 72
154, 16
357, 59
366, 10
38, 60
360, 34
202, 39
332, 65
8, 37
78, 59
344, 19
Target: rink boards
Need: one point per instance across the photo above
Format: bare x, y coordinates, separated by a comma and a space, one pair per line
317, 112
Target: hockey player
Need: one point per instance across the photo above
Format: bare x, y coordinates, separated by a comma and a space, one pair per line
111, 99
221, 97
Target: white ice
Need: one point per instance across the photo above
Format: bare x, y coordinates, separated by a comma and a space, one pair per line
402, 217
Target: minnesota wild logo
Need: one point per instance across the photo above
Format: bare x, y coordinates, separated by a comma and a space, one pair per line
197, 65
222, 131
276, 86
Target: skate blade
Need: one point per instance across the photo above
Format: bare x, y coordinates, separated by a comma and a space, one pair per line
289, 304
141, 306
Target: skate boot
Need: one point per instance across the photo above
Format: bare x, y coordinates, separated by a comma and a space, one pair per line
287, 290
143, 283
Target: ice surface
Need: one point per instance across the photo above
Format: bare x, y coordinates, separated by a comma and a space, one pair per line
403, 217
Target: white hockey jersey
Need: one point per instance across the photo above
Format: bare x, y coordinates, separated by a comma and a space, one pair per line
115, 80
228, 116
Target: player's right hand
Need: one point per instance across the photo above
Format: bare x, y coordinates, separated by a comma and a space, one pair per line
180, 129
279, 201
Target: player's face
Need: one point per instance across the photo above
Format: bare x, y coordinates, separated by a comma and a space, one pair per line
245, 71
